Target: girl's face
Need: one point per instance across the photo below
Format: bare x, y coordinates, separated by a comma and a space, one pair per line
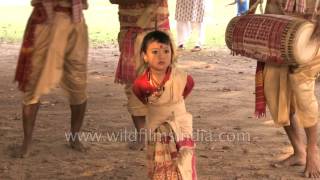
158, 56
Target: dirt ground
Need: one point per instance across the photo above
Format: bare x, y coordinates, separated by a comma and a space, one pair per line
231, 144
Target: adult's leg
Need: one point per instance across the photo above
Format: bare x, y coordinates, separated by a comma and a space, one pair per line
74, 80
77, 116
303, 83
30, 101
294, 133
183, 32
29, 113
312, 169
272, 76
200, 29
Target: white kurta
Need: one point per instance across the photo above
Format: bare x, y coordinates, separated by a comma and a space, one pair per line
190, 10
190, 18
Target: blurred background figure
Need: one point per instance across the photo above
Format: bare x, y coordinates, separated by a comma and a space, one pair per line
242, 6
189, 15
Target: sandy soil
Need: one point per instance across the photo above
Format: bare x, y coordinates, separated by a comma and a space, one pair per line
232, 143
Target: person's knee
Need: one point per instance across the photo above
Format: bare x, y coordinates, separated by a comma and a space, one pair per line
307, 112
77, 98
303, 87
306, 100
29, 99
30, 110
75, 88
310, 123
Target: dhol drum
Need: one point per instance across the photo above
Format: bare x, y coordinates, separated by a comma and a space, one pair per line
276, 39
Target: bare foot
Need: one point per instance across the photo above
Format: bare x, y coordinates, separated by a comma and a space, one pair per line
25, 150
312, 169
294, 160
18, 151
78, 146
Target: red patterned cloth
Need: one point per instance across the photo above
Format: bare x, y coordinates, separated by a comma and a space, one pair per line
130, 15
48, 5
142, 87
260, 106
23, 69
126, 66
162, 154
77, 10
297, 6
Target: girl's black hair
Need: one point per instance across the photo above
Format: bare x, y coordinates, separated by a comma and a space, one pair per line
156, 36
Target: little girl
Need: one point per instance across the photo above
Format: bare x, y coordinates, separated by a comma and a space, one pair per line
163, 87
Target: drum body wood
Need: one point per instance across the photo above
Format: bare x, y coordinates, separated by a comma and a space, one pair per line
276, 39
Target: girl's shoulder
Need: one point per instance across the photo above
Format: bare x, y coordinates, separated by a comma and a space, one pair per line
142, 77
